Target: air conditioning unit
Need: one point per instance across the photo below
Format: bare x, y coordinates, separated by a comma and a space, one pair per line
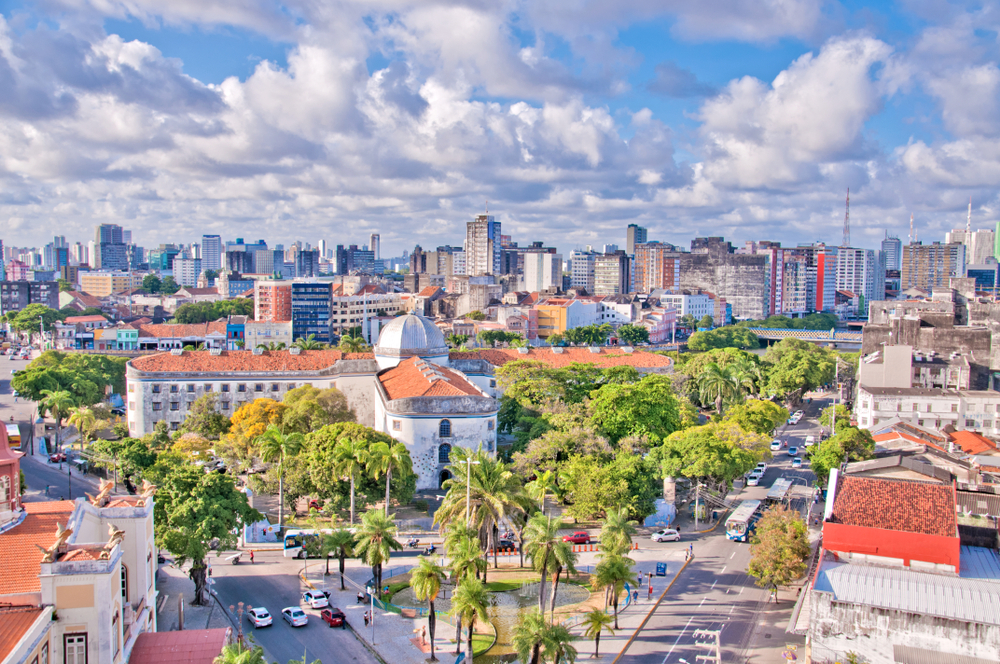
215, 351
258, 351
557, 349
176, 351
523, 350
594, 349
294, 350
628, 349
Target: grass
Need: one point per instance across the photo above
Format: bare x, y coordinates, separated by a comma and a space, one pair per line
481, 643
502, 586
395, 588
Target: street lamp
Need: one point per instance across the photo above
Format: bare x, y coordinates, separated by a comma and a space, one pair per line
468, 486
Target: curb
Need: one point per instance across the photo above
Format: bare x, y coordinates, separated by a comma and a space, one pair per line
651, 610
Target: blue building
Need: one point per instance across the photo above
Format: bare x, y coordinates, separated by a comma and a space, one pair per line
312, 302
987, 276
235, 332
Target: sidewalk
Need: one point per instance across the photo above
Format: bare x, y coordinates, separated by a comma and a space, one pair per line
175, 588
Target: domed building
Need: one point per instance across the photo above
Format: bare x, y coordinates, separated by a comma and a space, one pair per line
410, 336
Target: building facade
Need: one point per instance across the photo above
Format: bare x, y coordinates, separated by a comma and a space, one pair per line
16, 295
272, 301
634, 235
927, 266
612, 274
483, 246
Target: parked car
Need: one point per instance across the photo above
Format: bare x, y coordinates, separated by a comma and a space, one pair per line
762, 467
580, 537
295, 616
797, 462
259, 617
315, 599
506, 545
334, 617
754, 478
118, 411
775, 445
666, 535
58, 457
793, 451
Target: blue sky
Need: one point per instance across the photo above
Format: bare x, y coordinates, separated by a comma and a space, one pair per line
574, 118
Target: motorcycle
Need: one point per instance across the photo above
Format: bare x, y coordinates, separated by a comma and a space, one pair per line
235, 558
413, 544
429, 551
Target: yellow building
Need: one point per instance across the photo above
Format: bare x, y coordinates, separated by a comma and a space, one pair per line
103, 284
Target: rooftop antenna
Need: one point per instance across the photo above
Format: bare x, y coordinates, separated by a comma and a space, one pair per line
847, 220
487, 206
968, 221
910, 236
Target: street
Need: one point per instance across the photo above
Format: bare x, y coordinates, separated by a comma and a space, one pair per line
714, 592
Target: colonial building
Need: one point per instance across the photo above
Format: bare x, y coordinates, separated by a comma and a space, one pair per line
411, 387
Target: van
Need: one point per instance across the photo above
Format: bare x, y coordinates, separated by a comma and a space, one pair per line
810, 441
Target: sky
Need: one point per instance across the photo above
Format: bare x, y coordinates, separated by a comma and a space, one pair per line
567, 119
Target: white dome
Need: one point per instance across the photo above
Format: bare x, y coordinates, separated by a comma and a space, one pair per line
408, 336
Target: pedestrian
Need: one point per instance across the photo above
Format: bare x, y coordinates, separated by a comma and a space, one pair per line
46, 489
251, 556
650, 594
691, 550
635, 595
423, 635
366, 619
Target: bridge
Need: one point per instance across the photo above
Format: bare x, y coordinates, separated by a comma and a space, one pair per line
831, 336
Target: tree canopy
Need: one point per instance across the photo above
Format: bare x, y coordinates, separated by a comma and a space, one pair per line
810, 322
722, 451
849, 443
310, 408
82, 375
28, 319
779, 548
796, 366
206, 312
723, 337
757, 415
205, 418
648, 407
633, 335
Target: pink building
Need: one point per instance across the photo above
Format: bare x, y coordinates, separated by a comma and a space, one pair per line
17, 271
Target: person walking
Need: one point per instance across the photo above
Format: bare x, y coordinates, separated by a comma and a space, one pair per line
251, 556
366, 619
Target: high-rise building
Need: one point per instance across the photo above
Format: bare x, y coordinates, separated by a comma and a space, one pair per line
611, 274
110, 248
211, 253
353, 260
482, 246
656, 265
272, 301
860, 272
306, 263
926, 266
892, 247
186, 270
582, 269
736, 280
542, 271
979, 245
634, 235
374, 243
16, 295
312, 306
821, 266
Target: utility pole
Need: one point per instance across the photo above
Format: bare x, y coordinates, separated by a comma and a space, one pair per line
713, 646
697, 496
836, 386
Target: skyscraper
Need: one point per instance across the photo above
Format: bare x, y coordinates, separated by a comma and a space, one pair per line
373, 244
634, 235
926, 266
860, 272
892, 247
211, 252
109, 248
482, 246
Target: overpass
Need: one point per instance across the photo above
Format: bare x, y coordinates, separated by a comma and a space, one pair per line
825, 337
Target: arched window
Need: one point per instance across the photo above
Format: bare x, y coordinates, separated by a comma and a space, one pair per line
444, 429
124, 584
444, 453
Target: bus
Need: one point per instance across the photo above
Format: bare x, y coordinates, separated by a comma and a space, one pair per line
779, 490
14, 435
741, 523
295, 540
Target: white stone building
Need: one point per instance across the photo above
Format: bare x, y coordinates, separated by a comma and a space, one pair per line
977, 410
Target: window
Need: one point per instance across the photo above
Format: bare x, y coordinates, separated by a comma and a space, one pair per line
444, 429
124, 584
131, 387
274, 387
225, 388
397, 425
493, 383
173, 389
899, 407
175, 425
954, 407
4, 490
225, 405
115, 634
927, 408
131, 405
75, 649
491, 425
45, 654
987, 424
241, 388
174, 405
156, 389
157, 405
259, 387
444, 453
209, 388
190, 387
970, 423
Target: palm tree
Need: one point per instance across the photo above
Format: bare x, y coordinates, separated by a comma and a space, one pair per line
747, 374
308, 343
594, 623
376, 541
57, 403
467, 559
562, 557
341, 542
350, 460
715, 385
469, 603
426, 584
85, 421
542, 486
385, 459
236, 653
273, 445
557, 644
542, 534
528, 636
352, 344
611, 575
455, 532
617, 532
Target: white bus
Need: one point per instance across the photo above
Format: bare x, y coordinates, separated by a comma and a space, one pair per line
295, 539
741, 523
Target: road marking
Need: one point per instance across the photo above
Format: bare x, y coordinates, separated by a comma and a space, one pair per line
741, 590
702, 602
732, 556
731, 609
714, 582
669, 652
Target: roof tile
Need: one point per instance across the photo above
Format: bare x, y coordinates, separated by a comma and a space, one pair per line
15, 621
913, 507
193, 646
20, 561
608, 357
244, 360
416, 378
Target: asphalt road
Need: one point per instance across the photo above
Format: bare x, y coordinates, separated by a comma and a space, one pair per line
273, 582
714, 592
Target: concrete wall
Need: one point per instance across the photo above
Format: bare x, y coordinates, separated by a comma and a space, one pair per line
917, 548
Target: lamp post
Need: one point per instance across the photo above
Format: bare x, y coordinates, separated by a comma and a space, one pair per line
468, 486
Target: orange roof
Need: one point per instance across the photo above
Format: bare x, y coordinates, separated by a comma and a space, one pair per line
416, 378
895, 435
73, 320
972, 442
371, 289
244, 360
913, 507
608, 357
20, 561
171, 330
429, 291
191, 646
15, 621
85, 553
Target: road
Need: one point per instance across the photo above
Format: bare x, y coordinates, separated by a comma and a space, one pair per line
714, 592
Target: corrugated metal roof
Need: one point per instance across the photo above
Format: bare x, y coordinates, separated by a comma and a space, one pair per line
978, 562
911, 655
979, 503
968, 600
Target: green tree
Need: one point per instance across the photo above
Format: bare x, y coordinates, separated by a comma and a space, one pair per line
311, 409
475, 315
796, 366
457, 340
352, 344
469, 603
57, 403
710, 450
351, 459
87, 424
376, 540
211, 275
151, 283
384, 458
168, 286
341, 542
528, 636
205, 418
594, 487
757, 415
841, 420
779, 548
617, 532
539, 488
595, 622
237, 653
426, 583
723, 337
849, 444
689, 321
308, 343
276, 446
633, 335
32, 317
558, 645
196, 512
610, 575
65, 285
706, 322
541, 539
648, 407
715, 386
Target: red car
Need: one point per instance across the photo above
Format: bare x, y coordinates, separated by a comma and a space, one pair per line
57, 457
334, 617
580, 537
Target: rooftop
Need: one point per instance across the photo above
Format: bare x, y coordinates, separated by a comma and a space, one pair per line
913, 507
243, 360
20, 560
72, 320
416, 378
15, 621
195, 646
173, 331
978, 562
973, 443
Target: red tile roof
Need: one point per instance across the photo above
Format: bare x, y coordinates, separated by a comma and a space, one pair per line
608, 357
429, 291
15, 621
371, 289
192, 646
20, 560
972, 442
86, 553
85, 299
170, 330
73, 320
416, 378
244, 360
913, 507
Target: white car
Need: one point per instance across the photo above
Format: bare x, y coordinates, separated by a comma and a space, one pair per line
775, 445
754, 478
295, 616
315, 599
259, 617
810, 441
762, 467
797, 462
666, 535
